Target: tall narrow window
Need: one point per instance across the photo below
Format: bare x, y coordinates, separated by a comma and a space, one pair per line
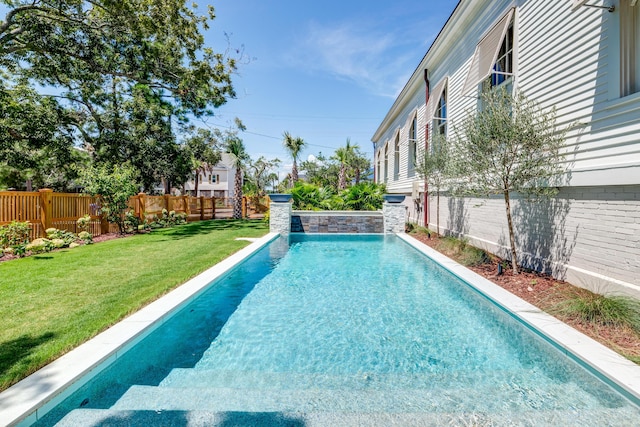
440, 116
502, 70
492, 62
413, 145
378, 176
629, 47
396, 158
386, 162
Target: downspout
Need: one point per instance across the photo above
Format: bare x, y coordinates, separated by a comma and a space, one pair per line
426, 147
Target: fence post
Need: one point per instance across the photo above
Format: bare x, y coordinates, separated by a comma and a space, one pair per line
201, 208
141, 206
187, 206
46, 208
213, 207
244, 207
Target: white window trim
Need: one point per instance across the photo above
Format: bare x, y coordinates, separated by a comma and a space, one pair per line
487, 49
434, 98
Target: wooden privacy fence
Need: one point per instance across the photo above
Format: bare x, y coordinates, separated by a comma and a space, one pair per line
46, 209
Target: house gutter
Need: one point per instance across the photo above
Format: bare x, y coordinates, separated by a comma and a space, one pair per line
426, 147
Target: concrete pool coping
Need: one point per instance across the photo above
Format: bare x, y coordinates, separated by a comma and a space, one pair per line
34, 396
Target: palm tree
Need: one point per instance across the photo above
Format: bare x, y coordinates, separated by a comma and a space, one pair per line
236, 149
293, 145
345, 155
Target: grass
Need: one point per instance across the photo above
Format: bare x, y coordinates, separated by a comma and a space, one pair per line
600, 310
54, 302
466, 254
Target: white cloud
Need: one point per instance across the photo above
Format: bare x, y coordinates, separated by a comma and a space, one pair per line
379, 60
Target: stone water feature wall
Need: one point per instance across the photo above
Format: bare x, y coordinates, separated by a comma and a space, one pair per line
283, 219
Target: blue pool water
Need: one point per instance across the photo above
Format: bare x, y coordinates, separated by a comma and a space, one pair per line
321, 329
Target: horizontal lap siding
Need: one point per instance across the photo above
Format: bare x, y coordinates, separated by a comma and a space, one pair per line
568, 60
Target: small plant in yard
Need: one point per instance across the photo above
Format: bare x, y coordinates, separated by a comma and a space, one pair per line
14, 238
83, 223
467, 255
601, 310
67, 237
86, 237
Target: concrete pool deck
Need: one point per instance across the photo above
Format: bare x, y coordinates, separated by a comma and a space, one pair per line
34, 396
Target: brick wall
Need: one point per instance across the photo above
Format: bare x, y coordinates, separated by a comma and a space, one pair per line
589, 236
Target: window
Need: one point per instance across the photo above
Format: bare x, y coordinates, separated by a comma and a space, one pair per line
413, 146
396, 158
378, 175
200, 178
440, 116
629, 47
492, 61
210, 178
386, 162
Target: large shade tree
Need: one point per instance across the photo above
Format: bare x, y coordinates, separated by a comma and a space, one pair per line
123, 68
509, 145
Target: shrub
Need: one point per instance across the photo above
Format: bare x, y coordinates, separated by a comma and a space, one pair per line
83, 222
459, 248
601, 310
15, 236
66, 236
86, 237
39, 245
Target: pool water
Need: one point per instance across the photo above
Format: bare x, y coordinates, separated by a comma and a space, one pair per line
343, 326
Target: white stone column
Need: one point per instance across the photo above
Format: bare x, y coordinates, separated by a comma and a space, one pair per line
280, 217
395, 217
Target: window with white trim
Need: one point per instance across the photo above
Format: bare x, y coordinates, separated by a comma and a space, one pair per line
386, 162
413, 146
629, 11
440, 115
396, 158
492, 61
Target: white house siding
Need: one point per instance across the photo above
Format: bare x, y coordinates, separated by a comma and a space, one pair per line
567, 59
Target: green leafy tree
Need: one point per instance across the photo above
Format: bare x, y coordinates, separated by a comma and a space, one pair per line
204, 152
435, 168
510, 145
259, 173
36, 142
293, 145
114, 185
124, 71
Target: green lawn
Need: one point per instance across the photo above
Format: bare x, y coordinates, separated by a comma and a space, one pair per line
53, 302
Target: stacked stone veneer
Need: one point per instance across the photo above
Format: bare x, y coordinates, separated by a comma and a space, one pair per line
280, 217
589, 236
336, 222
283, 220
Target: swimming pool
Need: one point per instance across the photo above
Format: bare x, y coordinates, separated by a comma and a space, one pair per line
319, 329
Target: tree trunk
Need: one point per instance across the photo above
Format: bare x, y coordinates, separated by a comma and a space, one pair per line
357, 176
512, 238
196, 182
237, 197
438, 212
294, 173
341, 178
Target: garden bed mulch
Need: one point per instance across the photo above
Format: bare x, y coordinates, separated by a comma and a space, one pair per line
547, 293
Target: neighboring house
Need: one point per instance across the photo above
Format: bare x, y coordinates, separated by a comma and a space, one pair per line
582, 60
214, 182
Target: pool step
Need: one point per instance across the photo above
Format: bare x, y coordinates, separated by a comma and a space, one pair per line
210, 378
223, 399
128, 418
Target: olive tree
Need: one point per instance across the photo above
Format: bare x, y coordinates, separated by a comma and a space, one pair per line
509, 145
435, 168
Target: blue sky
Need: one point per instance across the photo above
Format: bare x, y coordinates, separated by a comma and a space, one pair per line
325, 71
